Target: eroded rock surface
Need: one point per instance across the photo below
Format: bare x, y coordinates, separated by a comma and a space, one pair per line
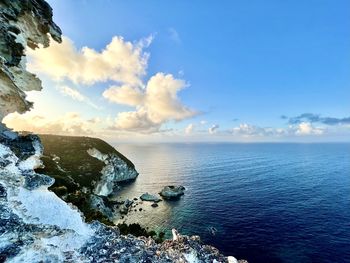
115, 170
22, 23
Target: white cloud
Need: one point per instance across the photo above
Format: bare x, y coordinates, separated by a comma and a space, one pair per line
189, 128
302, 129
69, 124
156, 104
120, 61
123, 64
136, 121
76, 95
132, 96
213, 129
248, 130
306, 128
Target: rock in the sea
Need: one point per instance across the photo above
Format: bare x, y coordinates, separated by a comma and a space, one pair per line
128, 202
150, 197
126, 206
172, 192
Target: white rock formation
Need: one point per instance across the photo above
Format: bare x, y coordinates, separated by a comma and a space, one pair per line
115, 170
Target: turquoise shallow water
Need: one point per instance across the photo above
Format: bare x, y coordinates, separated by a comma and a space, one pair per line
267, 202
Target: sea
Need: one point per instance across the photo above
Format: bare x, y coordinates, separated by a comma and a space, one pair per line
263, 202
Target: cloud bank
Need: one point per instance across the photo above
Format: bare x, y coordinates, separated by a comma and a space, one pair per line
301, 129
316, 118
156, 104
70, 123
120, 61
123, 64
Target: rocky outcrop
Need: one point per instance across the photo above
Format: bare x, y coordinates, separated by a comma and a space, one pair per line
22, 23
100, 166
115, 170
150, 198
87, 170
172, 192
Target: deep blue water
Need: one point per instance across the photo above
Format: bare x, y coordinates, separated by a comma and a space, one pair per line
268, 202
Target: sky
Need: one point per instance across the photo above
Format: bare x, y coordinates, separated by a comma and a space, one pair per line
235, 71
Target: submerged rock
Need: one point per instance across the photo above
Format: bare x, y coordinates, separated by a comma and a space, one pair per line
150, 197
172, 192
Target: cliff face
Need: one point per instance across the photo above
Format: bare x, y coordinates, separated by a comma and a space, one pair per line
115, 170
86, 172
100, 167
22, 23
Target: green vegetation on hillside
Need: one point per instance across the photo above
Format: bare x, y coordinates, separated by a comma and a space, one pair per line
66, 159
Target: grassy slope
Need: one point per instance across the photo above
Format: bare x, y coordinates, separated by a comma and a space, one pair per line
74, 159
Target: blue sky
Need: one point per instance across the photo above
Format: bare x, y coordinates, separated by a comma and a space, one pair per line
244, 62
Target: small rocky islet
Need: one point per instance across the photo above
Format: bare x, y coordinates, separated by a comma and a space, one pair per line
172, 192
